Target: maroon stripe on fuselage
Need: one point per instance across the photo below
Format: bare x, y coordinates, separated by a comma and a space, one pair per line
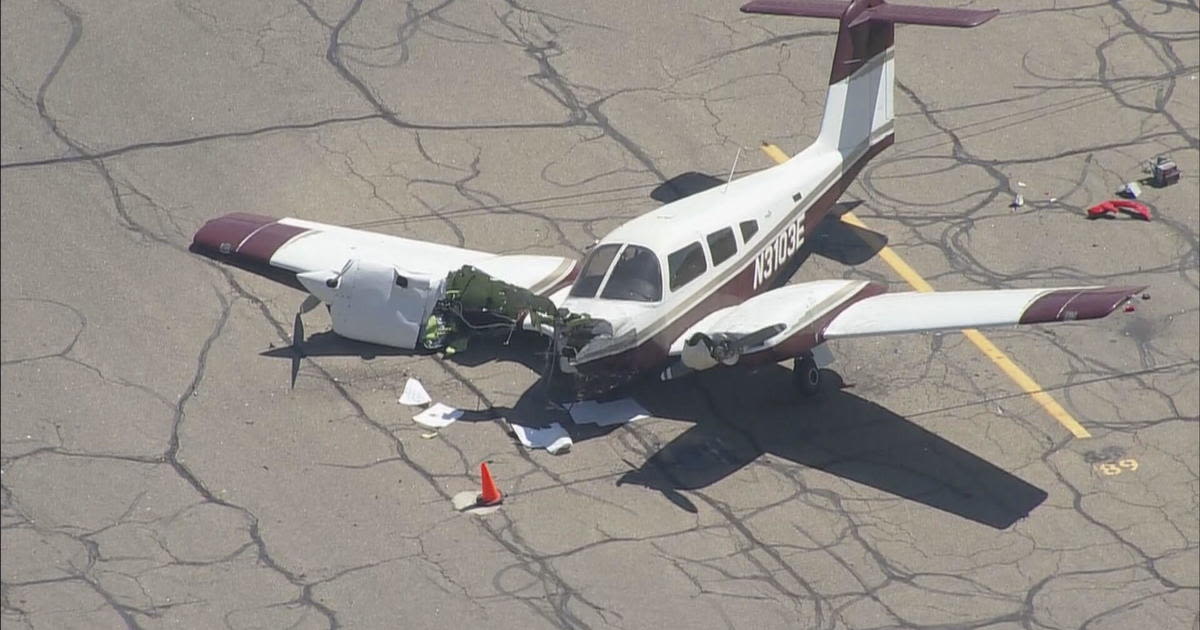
566, 281
821, 207
653, 352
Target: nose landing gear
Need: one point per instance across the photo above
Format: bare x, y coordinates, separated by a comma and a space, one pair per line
806, 375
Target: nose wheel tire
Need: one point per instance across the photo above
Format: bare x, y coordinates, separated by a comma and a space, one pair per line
806, 375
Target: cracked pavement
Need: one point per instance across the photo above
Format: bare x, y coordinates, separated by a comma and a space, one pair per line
158, 472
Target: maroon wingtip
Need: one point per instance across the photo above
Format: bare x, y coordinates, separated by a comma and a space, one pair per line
1072, 304
224, 234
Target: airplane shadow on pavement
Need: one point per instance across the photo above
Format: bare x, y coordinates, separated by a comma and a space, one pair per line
744, 415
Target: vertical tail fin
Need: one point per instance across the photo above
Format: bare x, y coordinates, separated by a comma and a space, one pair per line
858, 106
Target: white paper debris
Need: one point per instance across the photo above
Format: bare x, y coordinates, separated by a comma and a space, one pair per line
414, 394
553, 438
438, 416
607, 413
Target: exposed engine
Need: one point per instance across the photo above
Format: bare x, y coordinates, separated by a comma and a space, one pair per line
474, 303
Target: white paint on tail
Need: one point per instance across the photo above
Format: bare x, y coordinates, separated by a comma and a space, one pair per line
859, 109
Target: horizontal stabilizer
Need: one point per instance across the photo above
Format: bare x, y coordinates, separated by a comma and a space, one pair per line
893, 313
881, 12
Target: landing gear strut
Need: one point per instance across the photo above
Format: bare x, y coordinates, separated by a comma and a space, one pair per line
806, 375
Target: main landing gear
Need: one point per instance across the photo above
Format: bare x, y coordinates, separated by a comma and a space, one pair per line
806, 375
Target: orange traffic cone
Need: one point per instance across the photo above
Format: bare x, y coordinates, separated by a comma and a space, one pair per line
491, 494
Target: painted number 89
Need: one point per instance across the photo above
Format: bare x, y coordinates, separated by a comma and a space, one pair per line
1115, 468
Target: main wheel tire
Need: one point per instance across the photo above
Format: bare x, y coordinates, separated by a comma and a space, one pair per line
806, 375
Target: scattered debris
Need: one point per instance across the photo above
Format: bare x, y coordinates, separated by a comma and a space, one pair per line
1115, 206
607, 413
1130, 191
553, 438
1163, 171
1021, 184
414, 394
438, 416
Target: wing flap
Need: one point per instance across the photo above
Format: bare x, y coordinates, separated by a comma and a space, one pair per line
894, 313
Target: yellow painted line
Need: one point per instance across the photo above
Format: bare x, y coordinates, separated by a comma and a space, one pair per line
985, 346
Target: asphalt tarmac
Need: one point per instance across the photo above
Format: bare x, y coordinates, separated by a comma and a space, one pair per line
158, 470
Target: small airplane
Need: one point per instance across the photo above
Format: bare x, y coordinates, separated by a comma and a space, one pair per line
690, 286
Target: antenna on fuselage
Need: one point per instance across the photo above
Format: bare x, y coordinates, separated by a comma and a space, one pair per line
732, 169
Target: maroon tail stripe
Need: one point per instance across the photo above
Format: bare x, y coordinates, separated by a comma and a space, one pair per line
1069, 304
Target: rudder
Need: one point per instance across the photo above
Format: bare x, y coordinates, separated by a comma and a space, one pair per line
859, 105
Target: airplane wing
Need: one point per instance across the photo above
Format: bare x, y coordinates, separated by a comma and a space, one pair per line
282, 248
793, 319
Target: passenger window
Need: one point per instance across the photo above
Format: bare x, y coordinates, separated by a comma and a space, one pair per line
686, 264
593, 271
636, 276
749, 228
722, 245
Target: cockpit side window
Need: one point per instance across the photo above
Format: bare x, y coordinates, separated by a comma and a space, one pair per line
721, 245
636, 276
593, 272
749, 229
686, 264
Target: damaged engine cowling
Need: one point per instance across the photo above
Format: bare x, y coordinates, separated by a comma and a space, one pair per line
371, 301
474, 303
374, 302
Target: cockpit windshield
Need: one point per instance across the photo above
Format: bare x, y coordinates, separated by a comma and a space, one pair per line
593, 272
635, 274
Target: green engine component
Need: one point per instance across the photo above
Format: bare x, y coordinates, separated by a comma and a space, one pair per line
475, 303
477, 293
